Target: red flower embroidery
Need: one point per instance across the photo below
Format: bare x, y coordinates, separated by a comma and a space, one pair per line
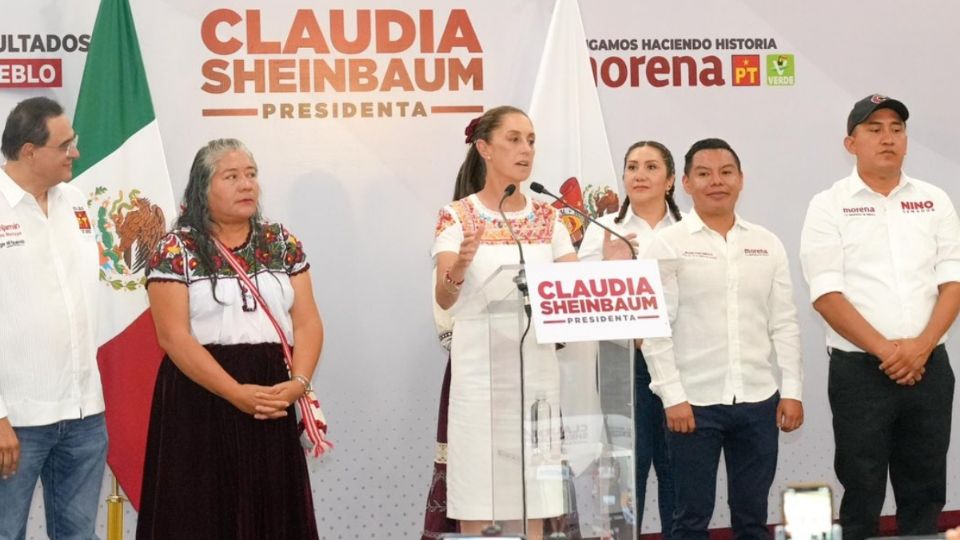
177, 264
262, 256
244, 265
294, 253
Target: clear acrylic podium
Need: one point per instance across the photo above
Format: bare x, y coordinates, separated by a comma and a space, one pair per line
562, 430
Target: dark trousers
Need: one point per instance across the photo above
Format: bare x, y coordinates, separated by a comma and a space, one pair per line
650, 425
878, 426
748, 436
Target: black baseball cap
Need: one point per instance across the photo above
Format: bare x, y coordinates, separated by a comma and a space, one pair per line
866, 106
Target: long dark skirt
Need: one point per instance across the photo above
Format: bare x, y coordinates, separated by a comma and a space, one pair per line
215, 472
435, 520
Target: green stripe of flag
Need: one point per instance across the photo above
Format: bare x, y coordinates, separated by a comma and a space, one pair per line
114, 101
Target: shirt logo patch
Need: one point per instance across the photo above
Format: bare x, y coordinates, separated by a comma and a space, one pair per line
758, 252
11, 235
698, 255
83, 221
10, 230
859, 211
916, 207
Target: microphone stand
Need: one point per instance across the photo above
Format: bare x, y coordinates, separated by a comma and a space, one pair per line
521, 281
537, 187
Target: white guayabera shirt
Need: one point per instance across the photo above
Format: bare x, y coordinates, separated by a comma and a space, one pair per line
48, 304
887, 255
731, 308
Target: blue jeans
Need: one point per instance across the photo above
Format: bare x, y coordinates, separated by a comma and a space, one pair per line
747, 434
69, 458
650, 428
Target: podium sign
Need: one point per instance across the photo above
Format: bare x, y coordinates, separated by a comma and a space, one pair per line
597, 300
561, 429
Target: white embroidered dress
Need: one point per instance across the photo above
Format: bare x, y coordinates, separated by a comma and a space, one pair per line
469, 460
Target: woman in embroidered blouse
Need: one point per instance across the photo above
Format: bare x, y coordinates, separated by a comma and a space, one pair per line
223, 453
471, 243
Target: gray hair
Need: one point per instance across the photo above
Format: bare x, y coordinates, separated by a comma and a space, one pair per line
196, 210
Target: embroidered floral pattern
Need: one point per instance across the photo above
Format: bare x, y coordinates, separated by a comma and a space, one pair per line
294, 257
169, 255
536, 227
277, 250
445, 221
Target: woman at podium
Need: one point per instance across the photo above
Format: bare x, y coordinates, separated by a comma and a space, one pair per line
472, 244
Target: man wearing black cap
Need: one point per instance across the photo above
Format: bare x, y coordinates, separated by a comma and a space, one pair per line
881, 254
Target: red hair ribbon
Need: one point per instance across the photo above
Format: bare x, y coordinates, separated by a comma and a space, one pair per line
471, 127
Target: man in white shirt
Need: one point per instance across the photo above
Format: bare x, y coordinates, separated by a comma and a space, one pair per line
881, 253
728, 293
51, 403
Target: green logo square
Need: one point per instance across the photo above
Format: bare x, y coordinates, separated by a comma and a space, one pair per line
781, 70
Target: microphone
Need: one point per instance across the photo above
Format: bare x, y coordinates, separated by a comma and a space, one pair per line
506, 193
521, 279
537, 187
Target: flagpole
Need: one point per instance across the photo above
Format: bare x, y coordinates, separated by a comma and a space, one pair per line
115, 512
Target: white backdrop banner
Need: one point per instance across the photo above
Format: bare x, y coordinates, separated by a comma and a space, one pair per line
356, 118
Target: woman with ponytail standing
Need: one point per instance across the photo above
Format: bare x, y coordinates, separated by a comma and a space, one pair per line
648, 178
471, 243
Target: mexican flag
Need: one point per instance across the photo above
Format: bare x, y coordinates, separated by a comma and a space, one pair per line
574, 161
123, 169
572, 146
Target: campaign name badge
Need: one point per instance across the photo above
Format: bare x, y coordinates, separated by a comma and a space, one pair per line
10, 230
11, 235
916, 207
